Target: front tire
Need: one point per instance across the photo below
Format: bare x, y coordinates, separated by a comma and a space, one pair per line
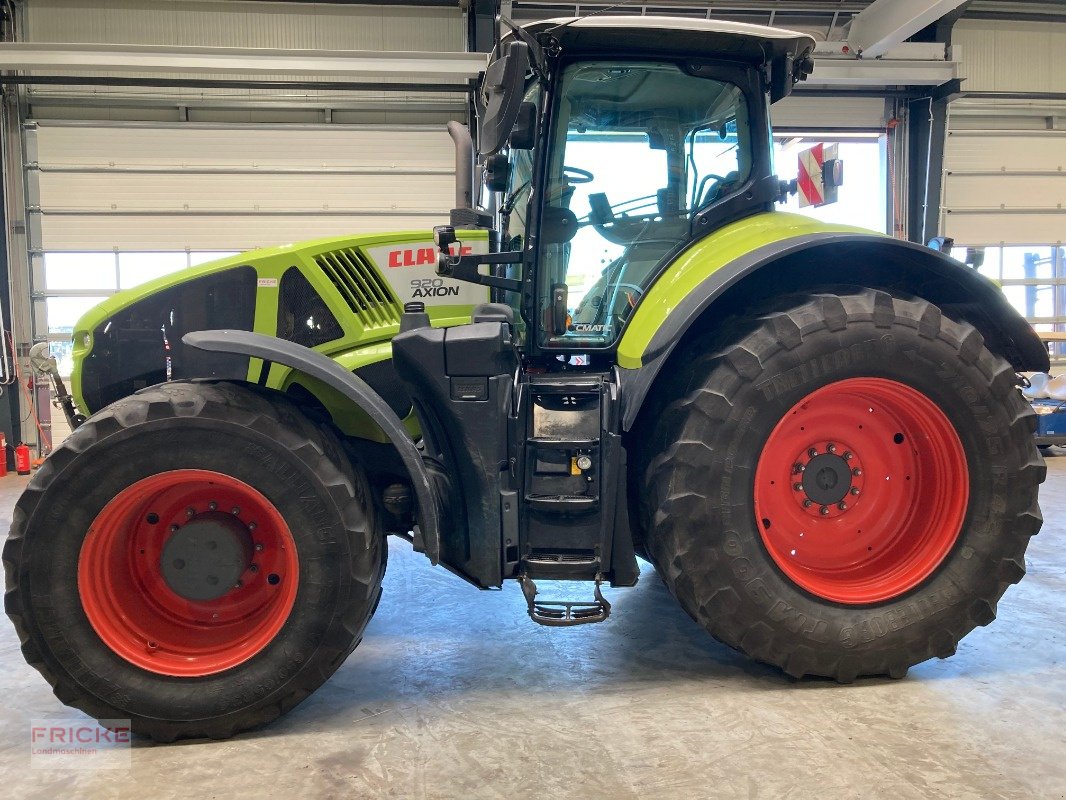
197, 558
889, 404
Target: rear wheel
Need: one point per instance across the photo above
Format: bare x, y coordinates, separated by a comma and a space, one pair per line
197, 557
846, 490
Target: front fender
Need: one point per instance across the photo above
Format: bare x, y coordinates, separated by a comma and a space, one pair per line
325, 370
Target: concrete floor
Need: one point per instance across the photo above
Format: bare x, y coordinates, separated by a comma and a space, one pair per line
456, 694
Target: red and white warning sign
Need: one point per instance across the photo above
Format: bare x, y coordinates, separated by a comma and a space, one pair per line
820, 173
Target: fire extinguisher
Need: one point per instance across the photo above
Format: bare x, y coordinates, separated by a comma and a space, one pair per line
22, 459
3, 455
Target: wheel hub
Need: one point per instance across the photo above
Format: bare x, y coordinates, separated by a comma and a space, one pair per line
828, 479
205, 558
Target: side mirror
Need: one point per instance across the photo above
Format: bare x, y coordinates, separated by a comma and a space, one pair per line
524, 135
501, 97
497, 172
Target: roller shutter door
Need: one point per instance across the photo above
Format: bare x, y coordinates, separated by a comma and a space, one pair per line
232, 187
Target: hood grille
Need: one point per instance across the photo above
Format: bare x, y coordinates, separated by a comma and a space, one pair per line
362, 288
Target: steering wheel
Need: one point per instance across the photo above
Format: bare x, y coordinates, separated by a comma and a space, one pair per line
575, 175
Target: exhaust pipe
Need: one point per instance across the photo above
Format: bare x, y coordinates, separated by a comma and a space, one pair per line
464, 164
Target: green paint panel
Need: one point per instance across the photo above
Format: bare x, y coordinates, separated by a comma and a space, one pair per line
366, 333
703, 259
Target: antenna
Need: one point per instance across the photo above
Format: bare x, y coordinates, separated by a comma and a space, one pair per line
603, 10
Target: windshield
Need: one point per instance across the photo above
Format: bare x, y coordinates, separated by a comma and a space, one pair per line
638, 148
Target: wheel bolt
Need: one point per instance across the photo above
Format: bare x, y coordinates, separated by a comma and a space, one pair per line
855, 490
173, 528
808, 503
253, 568
213, 505
856, 472
235, 511
842, 506
798, 487
251, 526
797, 468
259, 547
238, 584
847, 455
830, 448
812, 452
823, 510
190, 512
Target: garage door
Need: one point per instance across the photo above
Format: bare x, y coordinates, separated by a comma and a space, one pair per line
212, 188
1004, 186
1004, 195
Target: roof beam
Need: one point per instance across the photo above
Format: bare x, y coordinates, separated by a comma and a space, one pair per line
885, 23
79, 59
907, 64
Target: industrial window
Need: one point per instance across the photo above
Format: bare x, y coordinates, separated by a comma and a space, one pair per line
74, 282
862, 200
1033, 279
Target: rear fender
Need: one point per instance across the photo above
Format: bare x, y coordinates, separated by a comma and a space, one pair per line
812, 262
323, 370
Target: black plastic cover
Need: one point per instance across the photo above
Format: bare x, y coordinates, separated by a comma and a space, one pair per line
141, 345
460, 381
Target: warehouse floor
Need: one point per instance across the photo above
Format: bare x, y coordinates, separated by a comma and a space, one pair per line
457, 694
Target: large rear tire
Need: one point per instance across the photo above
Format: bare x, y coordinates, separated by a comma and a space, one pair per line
845, 489
197, 558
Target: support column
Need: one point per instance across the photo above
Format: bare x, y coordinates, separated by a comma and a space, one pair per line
481, 25
927, 130
14, 287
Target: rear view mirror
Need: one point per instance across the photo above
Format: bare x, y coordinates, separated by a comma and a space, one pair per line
497, 172
501, 97
524, 135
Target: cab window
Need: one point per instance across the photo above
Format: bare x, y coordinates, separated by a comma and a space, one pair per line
637, 149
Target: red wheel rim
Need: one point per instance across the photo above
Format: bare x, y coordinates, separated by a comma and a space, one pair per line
898, 467
132, 598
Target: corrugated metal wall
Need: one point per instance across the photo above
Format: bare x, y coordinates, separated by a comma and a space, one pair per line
322, 26
1002, 56
232, 23
198, 187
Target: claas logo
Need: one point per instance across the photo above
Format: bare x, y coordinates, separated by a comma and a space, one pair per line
421, 256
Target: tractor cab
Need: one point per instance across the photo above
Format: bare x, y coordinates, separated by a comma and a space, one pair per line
602, 166
607, 146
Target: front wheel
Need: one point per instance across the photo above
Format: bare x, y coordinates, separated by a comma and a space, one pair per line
197, 558
846, 490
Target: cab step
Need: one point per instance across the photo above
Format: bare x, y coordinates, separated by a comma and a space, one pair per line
563, 613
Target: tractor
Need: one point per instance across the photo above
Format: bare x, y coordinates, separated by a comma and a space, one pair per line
616, 347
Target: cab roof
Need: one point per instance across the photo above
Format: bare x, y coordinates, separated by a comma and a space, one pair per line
698, 38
